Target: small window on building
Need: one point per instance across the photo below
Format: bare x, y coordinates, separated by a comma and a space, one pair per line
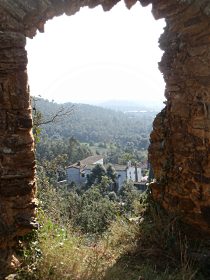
83, 175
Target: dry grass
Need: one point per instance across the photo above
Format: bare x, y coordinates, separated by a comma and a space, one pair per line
66, 255
153, 249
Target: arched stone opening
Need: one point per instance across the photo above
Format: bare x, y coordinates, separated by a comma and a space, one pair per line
179, 149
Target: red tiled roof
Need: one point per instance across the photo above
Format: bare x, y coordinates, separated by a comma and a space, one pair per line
87, 161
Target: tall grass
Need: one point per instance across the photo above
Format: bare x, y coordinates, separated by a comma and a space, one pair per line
69, 255
152, 248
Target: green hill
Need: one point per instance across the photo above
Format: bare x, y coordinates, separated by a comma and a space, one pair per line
89, 123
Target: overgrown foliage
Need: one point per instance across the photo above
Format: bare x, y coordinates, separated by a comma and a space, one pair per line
97, 233
146, 244
90, 210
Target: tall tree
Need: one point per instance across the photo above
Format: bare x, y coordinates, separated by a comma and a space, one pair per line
111, 173
96, 174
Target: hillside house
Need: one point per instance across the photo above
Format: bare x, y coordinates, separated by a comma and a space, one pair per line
79, 171
126, 173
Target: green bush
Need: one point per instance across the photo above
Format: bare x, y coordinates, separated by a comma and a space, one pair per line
128, 195
96, 213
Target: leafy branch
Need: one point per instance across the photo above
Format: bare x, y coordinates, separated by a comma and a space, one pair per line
39, 120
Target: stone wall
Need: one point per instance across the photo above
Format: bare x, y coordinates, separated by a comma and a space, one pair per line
17, 164
179, 149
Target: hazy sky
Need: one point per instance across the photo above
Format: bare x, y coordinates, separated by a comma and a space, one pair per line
95, 56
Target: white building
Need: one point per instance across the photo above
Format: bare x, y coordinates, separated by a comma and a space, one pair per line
126, 173
78, 172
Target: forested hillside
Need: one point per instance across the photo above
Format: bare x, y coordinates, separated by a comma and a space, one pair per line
88, 123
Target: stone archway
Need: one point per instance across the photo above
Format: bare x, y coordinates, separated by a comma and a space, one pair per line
179, 149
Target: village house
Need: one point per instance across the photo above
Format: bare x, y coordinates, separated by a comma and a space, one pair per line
126, 173
77, 173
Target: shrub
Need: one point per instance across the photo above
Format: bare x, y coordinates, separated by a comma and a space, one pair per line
96, 213
128, 194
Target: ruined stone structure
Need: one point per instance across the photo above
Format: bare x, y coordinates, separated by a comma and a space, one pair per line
180, 141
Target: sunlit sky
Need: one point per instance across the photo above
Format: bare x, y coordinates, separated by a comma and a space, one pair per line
96, 56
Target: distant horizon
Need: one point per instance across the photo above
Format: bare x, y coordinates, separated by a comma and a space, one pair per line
113, 103
120, 103
132, 102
